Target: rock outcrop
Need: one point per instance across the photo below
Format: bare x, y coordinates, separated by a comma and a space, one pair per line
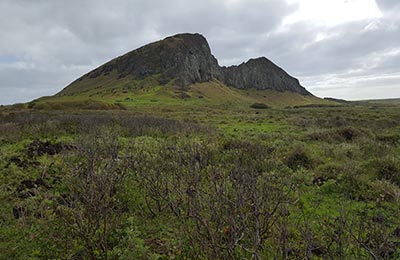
185, 59
261, 74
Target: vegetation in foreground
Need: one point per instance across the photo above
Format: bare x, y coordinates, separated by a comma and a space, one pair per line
296, 183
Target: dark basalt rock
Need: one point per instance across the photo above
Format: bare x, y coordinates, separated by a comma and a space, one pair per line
28, 188
18, 212
39, 148
261, 74
20, 162
185, 59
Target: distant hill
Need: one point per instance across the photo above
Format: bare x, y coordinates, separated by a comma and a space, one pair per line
183, 60
389, 101
182, 70
337, 100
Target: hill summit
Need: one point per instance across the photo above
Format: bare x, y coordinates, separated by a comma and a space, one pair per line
183, 60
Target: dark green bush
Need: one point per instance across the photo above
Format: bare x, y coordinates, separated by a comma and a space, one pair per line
259, 106
298, 158
388, 169
348, 133
337, 135
120, 106
328, 171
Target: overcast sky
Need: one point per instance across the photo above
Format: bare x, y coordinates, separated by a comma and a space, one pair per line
338, 48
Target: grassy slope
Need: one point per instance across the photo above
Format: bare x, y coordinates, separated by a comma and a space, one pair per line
136, 94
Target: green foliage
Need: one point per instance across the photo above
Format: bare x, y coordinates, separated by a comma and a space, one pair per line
203, 183
131, 245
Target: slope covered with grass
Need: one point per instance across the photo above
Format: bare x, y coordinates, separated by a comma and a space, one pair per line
144, 94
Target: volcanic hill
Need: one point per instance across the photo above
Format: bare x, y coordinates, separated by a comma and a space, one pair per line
181, 68
183, 60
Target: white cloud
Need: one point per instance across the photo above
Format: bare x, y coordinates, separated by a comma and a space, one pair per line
334, 12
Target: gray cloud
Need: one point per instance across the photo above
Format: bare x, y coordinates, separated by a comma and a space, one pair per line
388, 5
48, 43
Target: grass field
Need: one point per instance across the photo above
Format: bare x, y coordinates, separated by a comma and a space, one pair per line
199, 174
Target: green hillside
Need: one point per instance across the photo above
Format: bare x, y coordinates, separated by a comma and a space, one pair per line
133, 94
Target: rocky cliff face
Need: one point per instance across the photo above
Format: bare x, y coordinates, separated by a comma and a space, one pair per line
185, 59
190, 61
261, 74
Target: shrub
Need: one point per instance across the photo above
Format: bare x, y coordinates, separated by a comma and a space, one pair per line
31, 105
120, 106
355, 186
40, 106
318, 135
90, 206
388, 169
348, 133
19, 106
328, 171
259, 106
298, 158
384, 190
339, 134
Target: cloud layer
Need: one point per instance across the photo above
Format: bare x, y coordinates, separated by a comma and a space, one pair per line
48, 43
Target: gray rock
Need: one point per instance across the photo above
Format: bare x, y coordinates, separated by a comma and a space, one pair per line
261, 74
184, 58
